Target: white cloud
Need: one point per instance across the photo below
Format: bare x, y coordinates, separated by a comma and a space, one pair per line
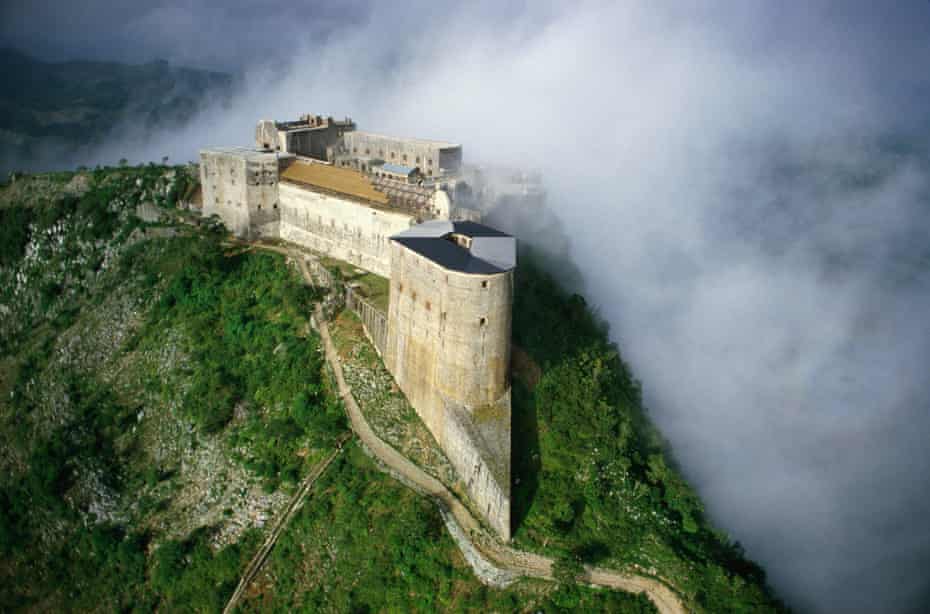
701, 165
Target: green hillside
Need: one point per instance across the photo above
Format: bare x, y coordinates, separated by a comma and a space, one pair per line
162, 395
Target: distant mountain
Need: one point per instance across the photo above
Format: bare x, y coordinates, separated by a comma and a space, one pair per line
49, 109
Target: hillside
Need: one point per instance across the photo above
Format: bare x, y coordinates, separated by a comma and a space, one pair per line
62, 106
162, 394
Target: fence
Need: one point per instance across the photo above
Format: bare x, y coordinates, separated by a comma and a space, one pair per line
320, 272
374, 320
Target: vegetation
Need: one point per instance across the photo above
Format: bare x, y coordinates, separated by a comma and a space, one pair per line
374, 288
245, 318
365, 543
593, 483
84, 487
132, 352
72, 104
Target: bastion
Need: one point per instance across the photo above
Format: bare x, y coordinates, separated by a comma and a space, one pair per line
448, 347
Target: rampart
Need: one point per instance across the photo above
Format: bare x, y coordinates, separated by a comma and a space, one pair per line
374, 320
344, 229
448, 347
433, 158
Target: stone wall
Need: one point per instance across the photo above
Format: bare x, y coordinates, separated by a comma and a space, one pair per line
339, 227
429, 156
478, 446
446, 338
448, 348
241, 187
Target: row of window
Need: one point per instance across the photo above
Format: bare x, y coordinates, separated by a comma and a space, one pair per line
216, 200
393, 154
429, 306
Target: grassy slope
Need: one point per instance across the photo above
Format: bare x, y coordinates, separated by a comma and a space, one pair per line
158, 396
593, 480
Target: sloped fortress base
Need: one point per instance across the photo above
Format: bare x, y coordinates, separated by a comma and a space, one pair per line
478, 446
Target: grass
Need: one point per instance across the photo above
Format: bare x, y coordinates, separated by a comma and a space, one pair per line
225, 372
365, 543
374, 288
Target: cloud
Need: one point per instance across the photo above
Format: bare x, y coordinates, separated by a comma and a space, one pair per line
742, 216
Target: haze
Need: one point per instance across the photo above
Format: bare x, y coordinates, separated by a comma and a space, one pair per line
744, 190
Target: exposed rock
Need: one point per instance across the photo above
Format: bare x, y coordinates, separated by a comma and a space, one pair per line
149, 213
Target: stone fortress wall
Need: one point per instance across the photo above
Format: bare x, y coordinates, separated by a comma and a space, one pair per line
448, 347
340, 227
433, 158
315, 182
240, 185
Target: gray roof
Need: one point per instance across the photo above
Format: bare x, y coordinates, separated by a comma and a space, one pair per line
397, 168
492, 251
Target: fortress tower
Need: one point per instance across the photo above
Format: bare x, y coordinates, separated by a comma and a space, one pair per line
448, 347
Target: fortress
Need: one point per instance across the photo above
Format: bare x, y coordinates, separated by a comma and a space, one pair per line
388, 205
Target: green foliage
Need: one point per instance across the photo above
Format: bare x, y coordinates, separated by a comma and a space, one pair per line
245, 318
188, 576
567, 569
364, 543
572, 598
14, 233
594, 481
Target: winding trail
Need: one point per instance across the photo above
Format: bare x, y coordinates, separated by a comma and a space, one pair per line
519, 562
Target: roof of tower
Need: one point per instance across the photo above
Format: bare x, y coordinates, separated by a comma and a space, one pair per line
484, 251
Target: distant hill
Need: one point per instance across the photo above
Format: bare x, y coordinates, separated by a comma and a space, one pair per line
50, 109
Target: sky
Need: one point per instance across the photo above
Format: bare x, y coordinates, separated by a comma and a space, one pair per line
743, 186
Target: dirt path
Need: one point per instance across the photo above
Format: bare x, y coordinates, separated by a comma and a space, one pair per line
282, 521
524, 563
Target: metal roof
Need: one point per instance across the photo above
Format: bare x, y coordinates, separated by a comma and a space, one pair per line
334, 179
397, 169
491, 250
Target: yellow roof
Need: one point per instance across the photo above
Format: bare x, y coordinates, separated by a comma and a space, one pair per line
334, 179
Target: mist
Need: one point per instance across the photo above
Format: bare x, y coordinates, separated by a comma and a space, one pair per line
745, 191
